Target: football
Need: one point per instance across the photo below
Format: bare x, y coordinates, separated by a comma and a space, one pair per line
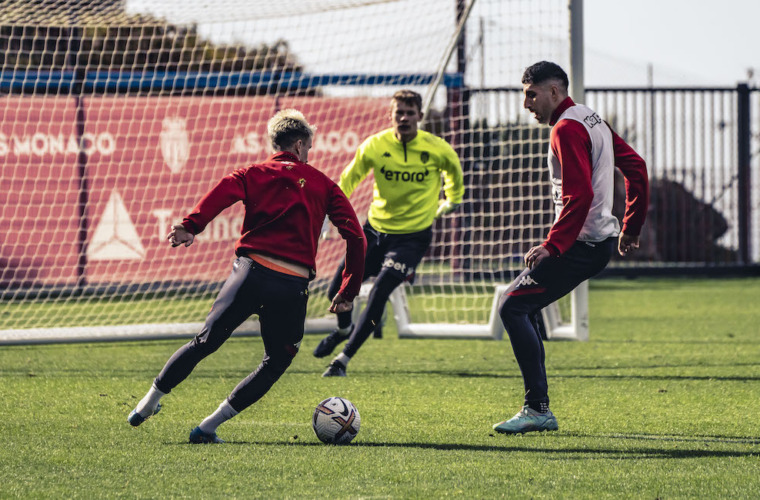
336, 421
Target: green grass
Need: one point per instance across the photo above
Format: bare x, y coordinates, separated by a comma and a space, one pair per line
662, 402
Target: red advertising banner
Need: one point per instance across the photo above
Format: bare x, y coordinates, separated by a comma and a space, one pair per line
170, 151
39, 189
148, 162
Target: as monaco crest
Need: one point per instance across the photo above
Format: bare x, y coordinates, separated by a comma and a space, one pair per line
175, 144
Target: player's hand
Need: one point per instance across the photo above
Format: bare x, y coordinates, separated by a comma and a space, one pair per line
536, 255
180, 236
445, 207
627, 244
339, 304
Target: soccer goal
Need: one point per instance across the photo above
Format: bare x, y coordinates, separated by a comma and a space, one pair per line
118, 115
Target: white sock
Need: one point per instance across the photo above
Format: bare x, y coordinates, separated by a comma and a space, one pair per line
343, 359
345, 331
221, 415
148, 404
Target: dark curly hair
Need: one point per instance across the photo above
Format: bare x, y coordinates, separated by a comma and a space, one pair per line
543, 71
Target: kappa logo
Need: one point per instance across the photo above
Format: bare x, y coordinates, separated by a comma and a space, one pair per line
592, 120
386, 155
175, 143
115, 237
527, 281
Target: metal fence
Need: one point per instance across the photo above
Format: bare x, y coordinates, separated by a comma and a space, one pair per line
702, 147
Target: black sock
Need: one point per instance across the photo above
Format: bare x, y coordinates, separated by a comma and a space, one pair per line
539, 406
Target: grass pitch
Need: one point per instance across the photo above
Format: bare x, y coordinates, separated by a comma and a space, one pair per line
662, 402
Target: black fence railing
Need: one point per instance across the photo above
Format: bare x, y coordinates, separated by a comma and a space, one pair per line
702, 147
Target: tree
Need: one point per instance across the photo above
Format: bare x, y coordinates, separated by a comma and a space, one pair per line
99, 36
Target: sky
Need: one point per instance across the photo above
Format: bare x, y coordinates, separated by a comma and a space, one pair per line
684, 42
687, 42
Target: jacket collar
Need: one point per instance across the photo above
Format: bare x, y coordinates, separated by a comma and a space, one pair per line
566, 103
284, 156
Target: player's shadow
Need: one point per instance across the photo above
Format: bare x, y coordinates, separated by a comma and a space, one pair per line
558, 374
694, 438
716, 378
561, 453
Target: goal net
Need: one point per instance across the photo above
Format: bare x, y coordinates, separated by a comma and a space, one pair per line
117, 116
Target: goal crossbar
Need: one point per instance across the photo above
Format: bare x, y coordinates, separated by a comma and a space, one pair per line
116, 121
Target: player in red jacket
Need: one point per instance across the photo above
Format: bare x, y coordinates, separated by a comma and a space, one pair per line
286, 201
583, 154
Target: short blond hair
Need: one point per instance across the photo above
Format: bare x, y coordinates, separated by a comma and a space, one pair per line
288, 126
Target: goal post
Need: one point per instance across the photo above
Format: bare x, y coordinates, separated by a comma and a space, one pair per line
119, 115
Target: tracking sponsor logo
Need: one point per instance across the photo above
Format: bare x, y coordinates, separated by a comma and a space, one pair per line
527, 281
175, 143
345, 409
398, 266
115, 237
42, 145
592, 120
334, 142
403, 176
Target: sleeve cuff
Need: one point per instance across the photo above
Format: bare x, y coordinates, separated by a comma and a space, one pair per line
630, 231
553, 251
189, 227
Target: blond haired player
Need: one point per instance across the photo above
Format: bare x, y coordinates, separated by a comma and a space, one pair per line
286, 201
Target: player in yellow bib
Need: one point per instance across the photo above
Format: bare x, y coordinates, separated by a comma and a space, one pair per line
410, 167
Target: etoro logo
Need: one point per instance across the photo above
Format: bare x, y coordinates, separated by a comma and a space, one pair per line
405, 176
115, 237
398, 266
175, 144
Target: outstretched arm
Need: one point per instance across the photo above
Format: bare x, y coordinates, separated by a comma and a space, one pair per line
228, 191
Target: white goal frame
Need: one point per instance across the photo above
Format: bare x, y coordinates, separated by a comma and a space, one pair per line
556, 327
429, 81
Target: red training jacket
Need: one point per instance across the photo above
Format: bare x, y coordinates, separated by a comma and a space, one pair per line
571, 144
286, 202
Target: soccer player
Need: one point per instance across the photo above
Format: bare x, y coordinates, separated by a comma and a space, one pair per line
286, 201
583, 154
408, 165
